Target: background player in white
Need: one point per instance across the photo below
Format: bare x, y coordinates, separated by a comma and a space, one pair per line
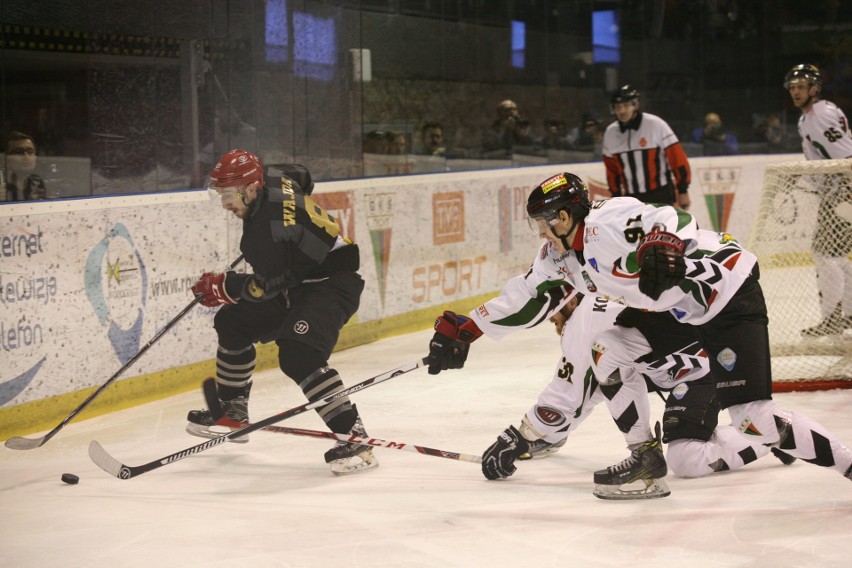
826, 136
655, 258
642, 156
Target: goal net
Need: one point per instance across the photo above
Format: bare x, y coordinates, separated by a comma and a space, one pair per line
802, 238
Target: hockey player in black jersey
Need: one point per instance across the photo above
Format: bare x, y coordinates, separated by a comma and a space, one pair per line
303, 288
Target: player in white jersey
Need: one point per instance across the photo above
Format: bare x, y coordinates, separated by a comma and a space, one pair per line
655, 258
675, 362
826, 136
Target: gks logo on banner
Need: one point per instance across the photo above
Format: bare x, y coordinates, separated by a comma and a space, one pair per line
379, 222
719, 186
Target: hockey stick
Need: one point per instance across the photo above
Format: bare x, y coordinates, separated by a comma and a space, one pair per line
20, 443
114, 467
374, 442
213, 403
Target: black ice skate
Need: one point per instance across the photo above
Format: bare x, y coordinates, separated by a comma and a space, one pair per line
834, 324
540, 449
222, 417
346, 458
645, 468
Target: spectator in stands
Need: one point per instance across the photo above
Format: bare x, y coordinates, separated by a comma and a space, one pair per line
376, 142
588, 117
21, 183
770, 131
555, 135
716, 141
432, 139
396, 142
590, 137
507, 130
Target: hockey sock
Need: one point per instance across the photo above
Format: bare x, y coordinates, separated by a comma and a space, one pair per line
338, 415
810, 441
234, 368
726, 449
629, 407
310, 370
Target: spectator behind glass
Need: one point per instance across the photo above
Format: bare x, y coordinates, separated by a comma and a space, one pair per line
432, 138
376, 142
575, 133
590, 137
20, 182
555, 135
396, 142
770, 131
716, 141
501, 136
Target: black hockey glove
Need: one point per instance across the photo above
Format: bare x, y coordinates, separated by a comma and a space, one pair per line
498, 461
660, 256
449, 346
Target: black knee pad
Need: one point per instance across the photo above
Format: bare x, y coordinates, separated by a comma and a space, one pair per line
297, 360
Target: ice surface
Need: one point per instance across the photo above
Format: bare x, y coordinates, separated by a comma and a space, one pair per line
274, 503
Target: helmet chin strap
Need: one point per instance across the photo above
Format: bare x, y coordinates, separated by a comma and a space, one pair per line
564, 238
242, 196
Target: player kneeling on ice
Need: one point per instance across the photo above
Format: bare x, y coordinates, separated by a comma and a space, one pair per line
671, 360
569, 399
304, 287
656, 259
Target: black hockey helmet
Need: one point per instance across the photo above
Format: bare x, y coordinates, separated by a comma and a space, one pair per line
810, 73
624, 94
562, 191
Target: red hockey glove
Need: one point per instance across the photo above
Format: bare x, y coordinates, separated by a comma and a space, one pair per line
660, 256
212, 287
449, 346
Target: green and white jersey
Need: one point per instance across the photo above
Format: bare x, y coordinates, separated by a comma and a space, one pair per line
603, 262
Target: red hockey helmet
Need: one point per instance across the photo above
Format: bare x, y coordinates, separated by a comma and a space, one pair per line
237, 167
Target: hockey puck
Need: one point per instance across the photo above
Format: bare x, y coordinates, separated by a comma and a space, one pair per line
70, 478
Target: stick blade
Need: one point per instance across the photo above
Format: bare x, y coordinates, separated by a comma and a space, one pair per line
19, 443
108, 463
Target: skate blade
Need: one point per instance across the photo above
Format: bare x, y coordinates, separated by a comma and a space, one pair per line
213, 431
552, 449
642, 489
354, 464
